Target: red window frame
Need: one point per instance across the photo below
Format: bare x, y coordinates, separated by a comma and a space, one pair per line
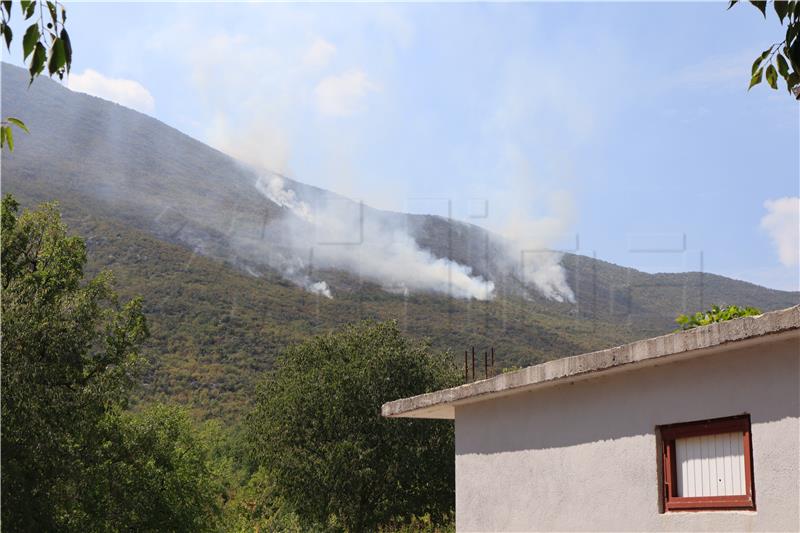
671, 500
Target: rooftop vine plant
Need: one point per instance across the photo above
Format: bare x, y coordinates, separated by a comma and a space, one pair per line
715, 314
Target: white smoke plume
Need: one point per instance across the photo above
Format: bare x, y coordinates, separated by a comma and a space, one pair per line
547, 274
273, 189
345, 235
528, 253
528, 240
321, 288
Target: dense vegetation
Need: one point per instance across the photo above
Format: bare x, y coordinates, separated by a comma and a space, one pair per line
317, 453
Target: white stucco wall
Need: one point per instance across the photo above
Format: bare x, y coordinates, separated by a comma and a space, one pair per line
584, 456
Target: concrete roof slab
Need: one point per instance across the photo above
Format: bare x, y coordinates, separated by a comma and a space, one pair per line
666, 348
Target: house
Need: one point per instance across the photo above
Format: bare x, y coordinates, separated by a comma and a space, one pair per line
696, 431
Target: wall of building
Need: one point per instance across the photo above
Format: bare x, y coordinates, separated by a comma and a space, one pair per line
584, 456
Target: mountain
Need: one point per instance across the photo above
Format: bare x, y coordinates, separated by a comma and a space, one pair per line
234, 263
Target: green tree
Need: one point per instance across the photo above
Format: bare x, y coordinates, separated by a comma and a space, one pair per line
69, 353
72, 458
783, 57
46, 43
151, 473
715, 314
317, 430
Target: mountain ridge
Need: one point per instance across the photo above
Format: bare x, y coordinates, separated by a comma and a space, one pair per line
182, 224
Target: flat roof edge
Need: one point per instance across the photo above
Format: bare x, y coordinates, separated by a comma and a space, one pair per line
438, 404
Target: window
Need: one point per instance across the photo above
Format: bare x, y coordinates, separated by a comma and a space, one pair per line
708, 465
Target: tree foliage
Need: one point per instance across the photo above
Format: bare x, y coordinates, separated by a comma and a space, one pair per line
783, 57
254, 506
72, 458
152, 472
317, 430
715, 314
45, 44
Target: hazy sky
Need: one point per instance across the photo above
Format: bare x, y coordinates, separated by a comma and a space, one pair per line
625, 129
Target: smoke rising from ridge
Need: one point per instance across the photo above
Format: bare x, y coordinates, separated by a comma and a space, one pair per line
262, 118
320, 231
527, 247
346, 235
341, 234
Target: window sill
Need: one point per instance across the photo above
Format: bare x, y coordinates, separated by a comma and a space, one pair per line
711, 503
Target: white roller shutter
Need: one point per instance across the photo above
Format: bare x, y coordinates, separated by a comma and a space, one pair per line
711, 465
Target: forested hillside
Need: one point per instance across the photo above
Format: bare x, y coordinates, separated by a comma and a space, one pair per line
183, 225
214, 329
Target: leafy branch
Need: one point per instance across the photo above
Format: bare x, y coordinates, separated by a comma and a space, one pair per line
45, 43
782, 58
6, 135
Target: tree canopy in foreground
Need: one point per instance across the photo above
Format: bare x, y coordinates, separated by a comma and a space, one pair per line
73, 459
317, 429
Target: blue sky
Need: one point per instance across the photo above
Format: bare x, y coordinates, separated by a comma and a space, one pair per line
624, 129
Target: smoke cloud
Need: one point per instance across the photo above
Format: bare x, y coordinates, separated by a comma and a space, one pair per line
318, 232
527, 240
527, 251
346, 235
